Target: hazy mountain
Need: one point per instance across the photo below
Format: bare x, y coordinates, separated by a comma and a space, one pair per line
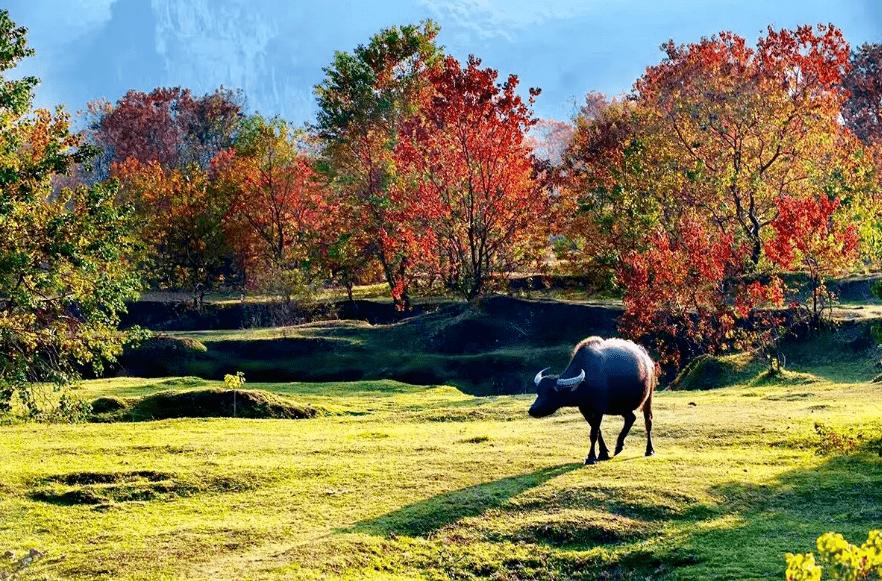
275, 49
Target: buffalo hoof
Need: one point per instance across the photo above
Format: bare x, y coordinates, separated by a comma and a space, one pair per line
619, 450
590, 461
603, 458
650, 453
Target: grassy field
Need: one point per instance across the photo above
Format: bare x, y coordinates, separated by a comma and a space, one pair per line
393, 481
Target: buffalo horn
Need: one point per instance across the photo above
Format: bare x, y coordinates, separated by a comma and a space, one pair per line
572, 381
538, 377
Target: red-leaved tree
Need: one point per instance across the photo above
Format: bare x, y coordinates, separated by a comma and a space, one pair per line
364, 100
862, 112
686, 296
809, 236
736, 128
278, 208
168, 125
714, 142
468, 177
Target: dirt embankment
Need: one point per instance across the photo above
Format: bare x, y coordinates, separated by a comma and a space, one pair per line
494, 346
183, 316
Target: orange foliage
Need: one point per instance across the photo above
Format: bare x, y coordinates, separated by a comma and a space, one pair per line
737, 128
278, 208
684, 295
181, 219
468, 193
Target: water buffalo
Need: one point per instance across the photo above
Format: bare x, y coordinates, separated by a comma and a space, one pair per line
605, 376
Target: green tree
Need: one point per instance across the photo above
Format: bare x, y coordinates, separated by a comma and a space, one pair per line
63, 274
609, 204
364, 101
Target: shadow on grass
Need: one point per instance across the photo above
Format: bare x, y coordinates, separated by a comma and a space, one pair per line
842, 495
431, 515
845, 489
845, 354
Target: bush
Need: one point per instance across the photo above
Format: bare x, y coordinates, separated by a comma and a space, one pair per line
202, 403
844, 561
715, 371
41, 402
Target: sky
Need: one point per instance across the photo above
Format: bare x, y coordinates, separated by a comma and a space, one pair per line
275, 49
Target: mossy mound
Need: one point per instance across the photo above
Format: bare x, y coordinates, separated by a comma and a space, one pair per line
202, 403
176, 345
489, 347
109, 405
497, 322
579, 528
786, 377
712, 371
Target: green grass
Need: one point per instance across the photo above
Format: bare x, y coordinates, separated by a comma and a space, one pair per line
404, 482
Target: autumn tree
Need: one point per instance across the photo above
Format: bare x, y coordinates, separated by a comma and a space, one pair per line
809, 235
862, 111
609, 204
685, 296
548, 139
364, 101
279, 209
159, 145
181, 217
695, 164
64, 277
468, 176
742, 127
862, 114
169, 126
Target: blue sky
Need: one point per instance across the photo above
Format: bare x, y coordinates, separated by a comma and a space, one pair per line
275, 49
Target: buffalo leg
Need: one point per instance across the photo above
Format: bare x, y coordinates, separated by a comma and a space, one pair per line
629, 421
594, 420
647, 416
604, 452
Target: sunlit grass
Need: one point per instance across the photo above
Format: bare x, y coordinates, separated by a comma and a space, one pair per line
405, 482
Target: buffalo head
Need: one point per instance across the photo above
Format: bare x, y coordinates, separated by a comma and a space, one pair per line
550, 390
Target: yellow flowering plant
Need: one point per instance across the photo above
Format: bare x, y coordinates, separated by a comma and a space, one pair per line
842, 560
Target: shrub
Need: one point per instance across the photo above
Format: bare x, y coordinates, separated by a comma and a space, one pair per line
843, 561
234, 381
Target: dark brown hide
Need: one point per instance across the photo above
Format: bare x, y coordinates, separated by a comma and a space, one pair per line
619, 379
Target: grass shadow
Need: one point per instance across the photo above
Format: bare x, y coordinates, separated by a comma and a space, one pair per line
765, 521
423, 518
845, 354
